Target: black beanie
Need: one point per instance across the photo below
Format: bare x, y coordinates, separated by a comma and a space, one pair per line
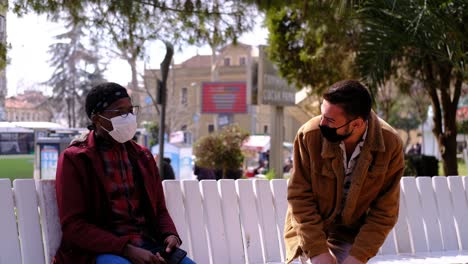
103, 95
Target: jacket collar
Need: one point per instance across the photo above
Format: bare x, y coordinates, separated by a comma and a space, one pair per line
88, 143
374, 140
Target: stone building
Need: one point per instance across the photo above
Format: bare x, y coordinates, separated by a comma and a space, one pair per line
29, 106
186, 102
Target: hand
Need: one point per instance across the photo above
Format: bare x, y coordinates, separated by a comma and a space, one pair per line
352, 260
324, 258
171, 242
138, 255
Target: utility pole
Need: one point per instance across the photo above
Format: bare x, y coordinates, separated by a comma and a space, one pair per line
162, 101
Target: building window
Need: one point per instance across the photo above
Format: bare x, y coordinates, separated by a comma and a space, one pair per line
210, 128
265, 129
183, 96
227, 61
242, 61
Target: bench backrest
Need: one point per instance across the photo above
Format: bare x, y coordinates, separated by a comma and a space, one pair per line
238, 221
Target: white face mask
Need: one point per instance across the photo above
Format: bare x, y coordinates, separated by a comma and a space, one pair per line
124, 127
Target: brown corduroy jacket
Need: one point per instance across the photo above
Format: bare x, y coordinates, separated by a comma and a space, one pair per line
315, 190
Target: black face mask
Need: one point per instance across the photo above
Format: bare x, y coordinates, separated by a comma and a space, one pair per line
330, 133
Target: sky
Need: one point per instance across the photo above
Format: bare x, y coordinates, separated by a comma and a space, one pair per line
31, 35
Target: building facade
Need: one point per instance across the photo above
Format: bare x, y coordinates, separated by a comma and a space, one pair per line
29, 106
186, 100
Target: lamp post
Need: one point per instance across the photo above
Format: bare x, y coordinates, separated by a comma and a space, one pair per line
162, 101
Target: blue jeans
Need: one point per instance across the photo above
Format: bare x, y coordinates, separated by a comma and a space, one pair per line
154, 247
115, 259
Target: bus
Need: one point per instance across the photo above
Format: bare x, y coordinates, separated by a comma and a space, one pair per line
15, 140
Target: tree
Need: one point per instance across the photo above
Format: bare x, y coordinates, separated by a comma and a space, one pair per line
312, 42
221, 150
3, 58
402, 116
419, 38
424, 40
132, 23
189, 21
217, 25
129, 31
76, 69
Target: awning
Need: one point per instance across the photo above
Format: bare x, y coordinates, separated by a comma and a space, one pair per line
259, 143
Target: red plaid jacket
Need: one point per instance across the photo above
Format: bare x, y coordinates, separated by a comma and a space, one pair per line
83, 205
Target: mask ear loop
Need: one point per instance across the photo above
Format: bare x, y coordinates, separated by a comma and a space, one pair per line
107, 120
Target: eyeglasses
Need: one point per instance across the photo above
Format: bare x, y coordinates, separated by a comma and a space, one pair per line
124, 112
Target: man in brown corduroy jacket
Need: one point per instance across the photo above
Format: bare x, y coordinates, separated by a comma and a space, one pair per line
344, 189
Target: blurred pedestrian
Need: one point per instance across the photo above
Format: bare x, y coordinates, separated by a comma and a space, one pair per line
168, 170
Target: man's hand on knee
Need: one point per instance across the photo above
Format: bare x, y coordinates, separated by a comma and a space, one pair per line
324, 258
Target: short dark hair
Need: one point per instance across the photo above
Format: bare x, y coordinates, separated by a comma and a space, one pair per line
352, 97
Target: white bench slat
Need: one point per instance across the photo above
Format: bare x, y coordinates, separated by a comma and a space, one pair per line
32, 251
430, 213
460, 211
196, 222
249, 220
465, 185
267, 214
230, 207
50, 222
414, 212
401, 228
254, 213
214, 221
174, 202
389, 246
279, 189
444, 204
9, 244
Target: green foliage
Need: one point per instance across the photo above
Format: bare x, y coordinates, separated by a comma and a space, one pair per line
270, 175
221, 150
214, 22
426, 41
462, 127
195, 21
153, 130
3, 55
411, 33
462, 168
3, 45
403, 114
312, 42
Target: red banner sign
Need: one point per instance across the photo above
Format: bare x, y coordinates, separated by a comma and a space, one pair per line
224, 97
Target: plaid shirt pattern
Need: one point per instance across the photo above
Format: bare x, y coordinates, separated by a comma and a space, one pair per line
124, 192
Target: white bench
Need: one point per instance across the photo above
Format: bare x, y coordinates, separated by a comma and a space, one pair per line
242, 221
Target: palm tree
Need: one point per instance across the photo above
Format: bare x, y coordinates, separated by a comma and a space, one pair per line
426, 40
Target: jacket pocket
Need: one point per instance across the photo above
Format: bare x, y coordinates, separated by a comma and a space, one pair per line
374, 180
325, 190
